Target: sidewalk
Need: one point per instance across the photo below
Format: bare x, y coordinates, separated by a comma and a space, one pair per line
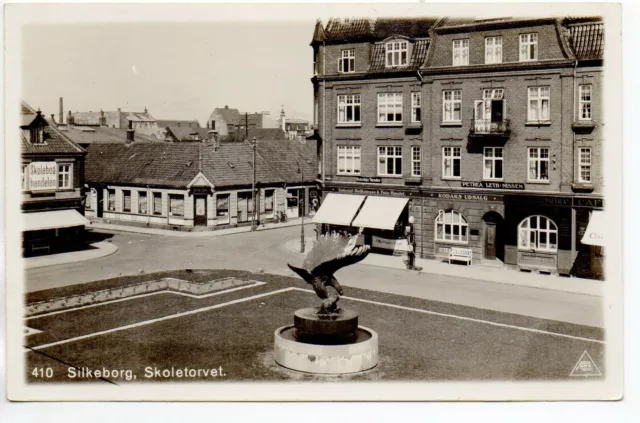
476, 272
100, 249
195, 234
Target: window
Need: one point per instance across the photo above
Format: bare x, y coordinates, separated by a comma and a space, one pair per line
390, 107
585, 165
451, 226
126, 200
390, 161
88, 202
396, 53
269, 196
538, 164
416, 107
176, 205
25, 181
528, 47
538, 104
349, 108
538, 233
347, 61
585, 102
451, 162
348, 160
111, 200
493, 157
451, 105
493, 50
222, 208
37, 135
416, 161
64, 176
142, 202
460, 52
157, 203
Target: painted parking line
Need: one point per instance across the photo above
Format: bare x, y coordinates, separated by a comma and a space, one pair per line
160, 319
470, 319
134, 297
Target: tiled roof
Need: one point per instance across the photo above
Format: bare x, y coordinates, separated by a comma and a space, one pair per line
409, 27
318, 33
349, 29
100, 134
181, 123
54, 141
418, 57
176, 164
27, 114
266, 133
93, 118
185, 133
587, 40
230, 116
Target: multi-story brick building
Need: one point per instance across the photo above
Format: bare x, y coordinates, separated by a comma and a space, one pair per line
52, 187
487, 132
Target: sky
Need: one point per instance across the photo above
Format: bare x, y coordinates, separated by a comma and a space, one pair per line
176, 70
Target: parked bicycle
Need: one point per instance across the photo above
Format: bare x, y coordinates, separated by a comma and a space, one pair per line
281, 217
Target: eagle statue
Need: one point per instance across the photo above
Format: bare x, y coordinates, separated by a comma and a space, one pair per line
330, 253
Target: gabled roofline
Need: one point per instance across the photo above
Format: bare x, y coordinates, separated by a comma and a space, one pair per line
200, 174
483, 26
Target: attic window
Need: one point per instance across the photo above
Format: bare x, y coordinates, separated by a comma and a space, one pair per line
396, 53
37, 135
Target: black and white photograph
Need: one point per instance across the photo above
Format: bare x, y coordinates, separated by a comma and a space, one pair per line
305, 203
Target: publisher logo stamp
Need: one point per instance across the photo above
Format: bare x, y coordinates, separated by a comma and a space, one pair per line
585, 367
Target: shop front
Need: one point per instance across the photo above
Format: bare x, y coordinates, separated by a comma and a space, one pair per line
54, 231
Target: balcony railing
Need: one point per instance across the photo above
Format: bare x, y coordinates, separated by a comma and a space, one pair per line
487, 127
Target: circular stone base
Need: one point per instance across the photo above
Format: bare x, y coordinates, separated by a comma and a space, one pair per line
359, 355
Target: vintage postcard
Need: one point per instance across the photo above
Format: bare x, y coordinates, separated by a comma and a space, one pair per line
313, 202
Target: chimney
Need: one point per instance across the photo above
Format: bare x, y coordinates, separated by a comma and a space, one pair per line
226, 107
103, 119
70, 118
130, 133
61, 116
145, 110
282, 119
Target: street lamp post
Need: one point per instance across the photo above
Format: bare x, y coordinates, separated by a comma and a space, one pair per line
301, 171
253, 186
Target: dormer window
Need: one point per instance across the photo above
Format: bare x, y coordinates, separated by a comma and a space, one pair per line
37, 135
347, 61
396, 53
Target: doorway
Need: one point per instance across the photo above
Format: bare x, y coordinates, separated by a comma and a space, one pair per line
493, 245
490, 241
200, 210
295, 203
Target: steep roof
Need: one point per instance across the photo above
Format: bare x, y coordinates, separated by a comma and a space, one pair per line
341, 29
409, 27
185, 133
587, 40
367, 29
176, 164
418, 56
54, 141
230, 116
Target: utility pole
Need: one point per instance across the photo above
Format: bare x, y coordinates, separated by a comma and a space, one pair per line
300, 168
253, 186
246, 126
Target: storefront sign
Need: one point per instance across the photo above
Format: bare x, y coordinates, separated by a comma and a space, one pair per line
397, 245
369, 180
371, 191
560, 201
43, 176
492, 185
201, 190
588, 202
464, 197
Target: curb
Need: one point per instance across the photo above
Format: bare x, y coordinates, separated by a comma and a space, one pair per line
106, 249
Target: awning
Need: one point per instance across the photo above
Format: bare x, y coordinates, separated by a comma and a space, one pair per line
38, 221
594, 235
338, 209
380, 212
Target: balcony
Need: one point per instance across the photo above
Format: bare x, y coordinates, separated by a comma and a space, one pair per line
488, 128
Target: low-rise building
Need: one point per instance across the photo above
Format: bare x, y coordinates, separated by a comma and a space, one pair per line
201, 185
52, 187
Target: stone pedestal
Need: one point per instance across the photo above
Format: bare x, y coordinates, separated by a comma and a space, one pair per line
332, 328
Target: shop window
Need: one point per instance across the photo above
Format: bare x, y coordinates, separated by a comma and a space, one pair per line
222, 208
390, 161
25, 179
348, 159
528, 47
451, 162
142, 202
126, 200
269, 197
460, 52
451, 226
244, 206
88, 202
538, 233
451, 106
538, 164
493, 163
111, 200
176, 205
157, 203
64, 176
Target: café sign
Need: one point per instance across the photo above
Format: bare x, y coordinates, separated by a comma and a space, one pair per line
492, 185
43, 176
369, 179
396, 245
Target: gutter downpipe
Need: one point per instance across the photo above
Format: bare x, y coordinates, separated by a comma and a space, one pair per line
324, 106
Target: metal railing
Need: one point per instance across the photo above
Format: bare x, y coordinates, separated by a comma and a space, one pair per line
489, 127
